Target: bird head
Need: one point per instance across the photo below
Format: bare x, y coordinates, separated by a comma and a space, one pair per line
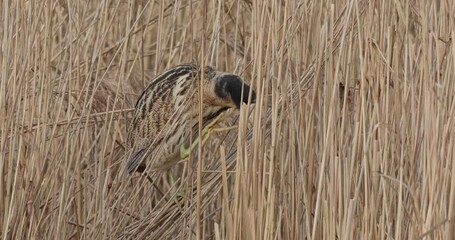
231, 89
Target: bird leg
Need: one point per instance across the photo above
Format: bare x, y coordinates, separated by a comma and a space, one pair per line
206, 132
210, 131
176, 190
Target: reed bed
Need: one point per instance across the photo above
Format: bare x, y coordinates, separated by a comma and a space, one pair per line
352, 136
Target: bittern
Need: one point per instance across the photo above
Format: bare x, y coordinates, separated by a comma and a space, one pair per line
167, 113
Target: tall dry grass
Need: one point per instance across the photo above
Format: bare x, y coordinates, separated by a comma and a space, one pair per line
352, 136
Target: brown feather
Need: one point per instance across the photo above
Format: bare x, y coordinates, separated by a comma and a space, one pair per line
166, 113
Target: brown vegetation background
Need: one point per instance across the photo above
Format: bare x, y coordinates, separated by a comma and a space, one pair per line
352, 136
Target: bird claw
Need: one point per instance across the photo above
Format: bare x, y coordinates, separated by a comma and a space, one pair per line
185, 152
206, 132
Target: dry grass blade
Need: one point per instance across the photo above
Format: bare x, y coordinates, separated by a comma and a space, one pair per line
351, 136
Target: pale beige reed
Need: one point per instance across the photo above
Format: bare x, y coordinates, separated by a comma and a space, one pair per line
351, 136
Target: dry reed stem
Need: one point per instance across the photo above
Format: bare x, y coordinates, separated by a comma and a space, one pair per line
351, 137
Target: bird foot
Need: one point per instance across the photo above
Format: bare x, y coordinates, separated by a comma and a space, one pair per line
185, 152
206, 132
176, 190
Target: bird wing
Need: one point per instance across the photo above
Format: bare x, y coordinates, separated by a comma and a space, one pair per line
154, 108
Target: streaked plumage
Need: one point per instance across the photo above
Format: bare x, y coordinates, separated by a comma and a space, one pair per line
168, 110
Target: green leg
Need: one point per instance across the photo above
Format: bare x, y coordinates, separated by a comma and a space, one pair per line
176, 190
206, 132
185, 152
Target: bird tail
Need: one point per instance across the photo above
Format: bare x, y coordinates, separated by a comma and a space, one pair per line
135, 162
